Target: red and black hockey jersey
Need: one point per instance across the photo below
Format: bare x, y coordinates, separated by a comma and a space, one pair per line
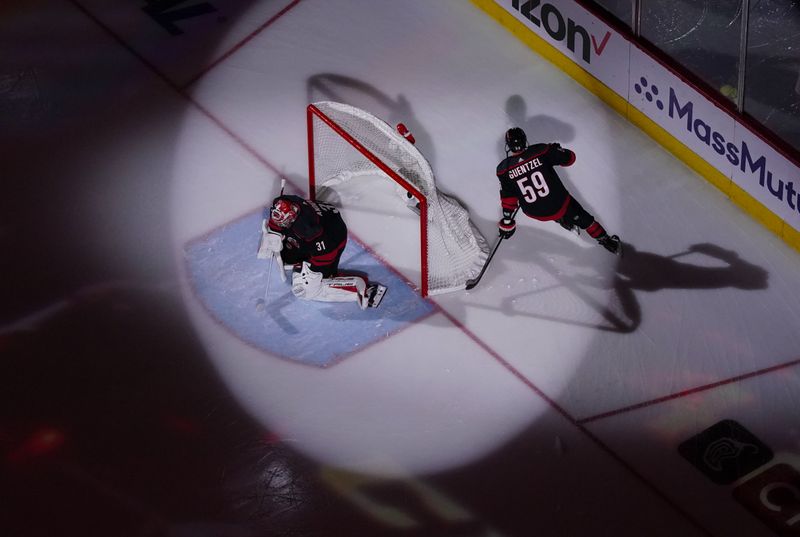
530, 181
318, 235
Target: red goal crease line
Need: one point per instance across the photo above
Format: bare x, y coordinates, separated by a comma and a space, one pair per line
690, 391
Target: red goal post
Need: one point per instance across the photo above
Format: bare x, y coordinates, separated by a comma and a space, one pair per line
347, 141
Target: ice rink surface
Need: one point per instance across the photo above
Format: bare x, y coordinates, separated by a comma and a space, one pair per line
571, 393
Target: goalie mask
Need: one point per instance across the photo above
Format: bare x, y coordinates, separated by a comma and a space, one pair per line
283, 213
516, 140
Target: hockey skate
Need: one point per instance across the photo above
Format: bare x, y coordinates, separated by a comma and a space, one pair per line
569, 227
611, 243
373, 296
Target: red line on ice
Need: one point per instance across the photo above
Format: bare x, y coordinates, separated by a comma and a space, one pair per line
559, 409
172, 84
690, 391
241, 43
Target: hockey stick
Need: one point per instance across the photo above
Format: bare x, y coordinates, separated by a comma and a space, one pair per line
260, 304
269, 274
474, 281
278, 255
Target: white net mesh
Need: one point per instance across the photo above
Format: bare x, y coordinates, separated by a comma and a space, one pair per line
456, 251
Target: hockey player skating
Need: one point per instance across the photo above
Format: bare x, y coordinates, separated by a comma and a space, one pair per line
528, 181
310, 237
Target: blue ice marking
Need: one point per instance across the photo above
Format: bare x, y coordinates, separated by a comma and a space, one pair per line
229, 280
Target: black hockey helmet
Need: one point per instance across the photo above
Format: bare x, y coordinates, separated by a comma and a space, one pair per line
516, 140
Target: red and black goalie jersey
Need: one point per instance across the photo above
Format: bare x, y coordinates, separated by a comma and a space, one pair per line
528, 179
318, 235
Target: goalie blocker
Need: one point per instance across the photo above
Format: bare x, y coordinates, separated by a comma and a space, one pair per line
311, 236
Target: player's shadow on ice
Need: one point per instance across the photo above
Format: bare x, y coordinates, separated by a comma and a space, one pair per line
577, 271
538, 128
643, 271
646, 271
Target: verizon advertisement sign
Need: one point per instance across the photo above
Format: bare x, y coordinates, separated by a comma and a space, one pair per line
712, 134
579, 35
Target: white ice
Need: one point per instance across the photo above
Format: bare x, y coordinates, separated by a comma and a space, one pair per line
559, 331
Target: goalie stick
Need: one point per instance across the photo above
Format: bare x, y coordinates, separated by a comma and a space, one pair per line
262, 253
474, 281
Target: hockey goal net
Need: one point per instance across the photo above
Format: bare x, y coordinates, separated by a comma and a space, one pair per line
345, 142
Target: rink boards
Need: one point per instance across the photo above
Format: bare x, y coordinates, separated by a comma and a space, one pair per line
716, 144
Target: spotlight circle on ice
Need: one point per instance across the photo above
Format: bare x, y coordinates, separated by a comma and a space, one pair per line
417, 385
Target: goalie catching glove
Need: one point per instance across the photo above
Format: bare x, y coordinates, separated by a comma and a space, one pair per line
271, 242
274, 242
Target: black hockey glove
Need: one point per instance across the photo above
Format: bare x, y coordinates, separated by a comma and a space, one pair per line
507, 226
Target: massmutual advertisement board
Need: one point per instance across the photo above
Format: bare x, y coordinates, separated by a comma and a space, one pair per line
710, 132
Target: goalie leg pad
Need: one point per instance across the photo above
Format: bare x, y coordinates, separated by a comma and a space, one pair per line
310, 285
306, 283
